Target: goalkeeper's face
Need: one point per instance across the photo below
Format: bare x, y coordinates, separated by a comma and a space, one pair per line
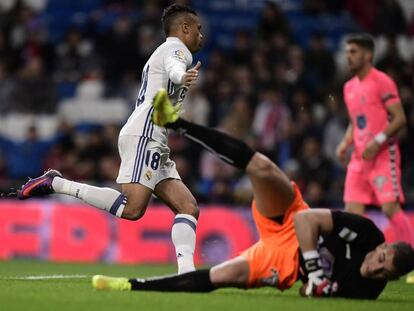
378, 264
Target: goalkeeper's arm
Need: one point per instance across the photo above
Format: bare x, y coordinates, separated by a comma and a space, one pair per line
309, 225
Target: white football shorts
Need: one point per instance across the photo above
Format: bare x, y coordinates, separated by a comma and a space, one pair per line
144, 161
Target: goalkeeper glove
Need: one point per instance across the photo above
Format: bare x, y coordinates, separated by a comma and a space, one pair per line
318, 284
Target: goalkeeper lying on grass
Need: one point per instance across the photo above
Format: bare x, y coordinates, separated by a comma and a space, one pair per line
333, 253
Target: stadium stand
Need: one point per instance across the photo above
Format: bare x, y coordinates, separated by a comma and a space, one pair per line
272, 74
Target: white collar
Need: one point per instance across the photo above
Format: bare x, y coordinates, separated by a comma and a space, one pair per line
176, 39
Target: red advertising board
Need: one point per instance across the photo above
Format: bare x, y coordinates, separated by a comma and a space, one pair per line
56, 231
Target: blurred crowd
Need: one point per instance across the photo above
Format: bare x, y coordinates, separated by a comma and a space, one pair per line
283, 98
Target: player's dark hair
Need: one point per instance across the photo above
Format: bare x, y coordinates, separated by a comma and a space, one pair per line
171, 12
363, 40
403, 259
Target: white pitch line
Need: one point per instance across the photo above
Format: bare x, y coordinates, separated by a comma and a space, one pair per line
46, 277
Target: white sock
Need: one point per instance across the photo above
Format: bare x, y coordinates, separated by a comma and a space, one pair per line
103, 198
184, 239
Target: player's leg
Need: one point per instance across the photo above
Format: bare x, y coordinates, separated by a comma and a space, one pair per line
273, 191
130, 204
160, 174
231, 273
355, 208
176, 195
358, 191
386, 181
402, 225
138, 198
390, 209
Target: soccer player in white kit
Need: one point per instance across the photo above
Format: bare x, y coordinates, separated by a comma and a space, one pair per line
145, 164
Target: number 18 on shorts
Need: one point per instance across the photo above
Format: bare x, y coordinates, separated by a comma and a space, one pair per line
144, 161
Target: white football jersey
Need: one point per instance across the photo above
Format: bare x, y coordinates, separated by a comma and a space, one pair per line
155, 75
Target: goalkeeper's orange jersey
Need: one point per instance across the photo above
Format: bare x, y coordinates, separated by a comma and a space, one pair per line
274, 259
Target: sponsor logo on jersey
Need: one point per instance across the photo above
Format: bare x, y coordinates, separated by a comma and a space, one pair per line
361, 121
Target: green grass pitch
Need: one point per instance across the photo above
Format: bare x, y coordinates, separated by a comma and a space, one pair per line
75, 292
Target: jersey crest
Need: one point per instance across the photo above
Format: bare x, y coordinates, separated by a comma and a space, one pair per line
179, 54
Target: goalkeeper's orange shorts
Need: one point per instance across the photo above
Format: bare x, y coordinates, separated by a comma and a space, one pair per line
275, 257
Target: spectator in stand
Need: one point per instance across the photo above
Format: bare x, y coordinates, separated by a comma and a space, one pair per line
147, 41
119, 51
25, 158
390, 19
392, 60
296, 72
313, 165
272, 123
242, 49
366, 14
272, 20
244, 81
196, 106
260, 69
6, 89
320, 66
277, 48
73, 57
6, 56
335, 126
95, 149
32, 80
